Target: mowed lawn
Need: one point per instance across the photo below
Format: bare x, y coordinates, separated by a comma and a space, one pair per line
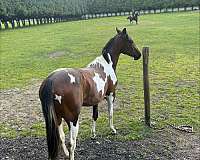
174, 66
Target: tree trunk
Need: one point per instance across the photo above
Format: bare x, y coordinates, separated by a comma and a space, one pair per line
51, 20
12, 24
185, 8
29, 22
18, 23
44, 20
37, 21
6, 24
23, 23
40, 20
0, 25
33, 21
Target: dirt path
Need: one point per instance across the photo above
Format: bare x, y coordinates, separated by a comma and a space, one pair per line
21, 108
166, 145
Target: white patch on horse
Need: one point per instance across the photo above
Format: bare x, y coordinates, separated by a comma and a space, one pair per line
72, 78
111, 71
58, 98
99, 82
108, 69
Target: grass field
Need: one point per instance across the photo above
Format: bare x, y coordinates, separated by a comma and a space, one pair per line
174, 67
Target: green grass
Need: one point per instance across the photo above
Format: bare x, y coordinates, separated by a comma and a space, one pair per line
174, 64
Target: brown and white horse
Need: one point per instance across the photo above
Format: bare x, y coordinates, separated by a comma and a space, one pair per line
66, 90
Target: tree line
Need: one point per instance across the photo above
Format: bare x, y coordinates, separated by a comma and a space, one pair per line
20, 12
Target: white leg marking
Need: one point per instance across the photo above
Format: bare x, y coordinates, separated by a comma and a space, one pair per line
110, 111
58, 98
93, 128
72, 135
62, 137
72, 78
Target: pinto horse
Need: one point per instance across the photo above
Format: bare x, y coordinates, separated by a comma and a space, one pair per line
66, 90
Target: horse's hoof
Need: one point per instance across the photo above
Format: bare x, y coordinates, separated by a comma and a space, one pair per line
114, 132
93, 137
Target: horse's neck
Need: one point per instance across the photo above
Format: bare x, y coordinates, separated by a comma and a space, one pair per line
114, 58
101, 64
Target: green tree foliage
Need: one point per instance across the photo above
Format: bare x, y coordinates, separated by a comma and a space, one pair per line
45, 10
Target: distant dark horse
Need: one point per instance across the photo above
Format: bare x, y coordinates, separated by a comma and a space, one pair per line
134, 17
66, 90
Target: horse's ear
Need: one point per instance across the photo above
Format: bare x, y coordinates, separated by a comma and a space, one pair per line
124, 31
118, 31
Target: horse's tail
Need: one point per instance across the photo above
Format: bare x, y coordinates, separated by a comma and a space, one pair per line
53, 139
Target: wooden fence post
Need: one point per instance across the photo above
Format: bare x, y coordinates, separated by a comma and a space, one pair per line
145, 53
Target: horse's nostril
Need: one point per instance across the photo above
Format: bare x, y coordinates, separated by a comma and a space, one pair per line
138, 57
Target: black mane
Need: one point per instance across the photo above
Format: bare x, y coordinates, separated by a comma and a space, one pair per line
106, 49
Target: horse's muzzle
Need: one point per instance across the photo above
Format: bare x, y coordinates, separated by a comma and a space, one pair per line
138, 57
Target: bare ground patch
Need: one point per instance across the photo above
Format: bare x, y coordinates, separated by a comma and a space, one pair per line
56, 54
166, 145
20, 108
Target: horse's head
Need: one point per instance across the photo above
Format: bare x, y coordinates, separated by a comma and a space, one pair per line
127, 45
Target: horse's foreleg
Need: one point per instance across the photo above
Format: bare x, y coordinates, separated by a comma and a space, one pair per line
110, 99
62, 137
73, 132
94, 118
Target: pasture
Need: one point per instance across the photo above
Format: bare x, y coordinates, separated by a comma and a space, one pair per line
30, 54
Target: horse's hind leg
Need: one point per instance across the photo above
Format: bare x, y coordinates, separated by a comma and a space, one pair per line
136, 20
94, 117
73, 132
110, 99
62, 137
